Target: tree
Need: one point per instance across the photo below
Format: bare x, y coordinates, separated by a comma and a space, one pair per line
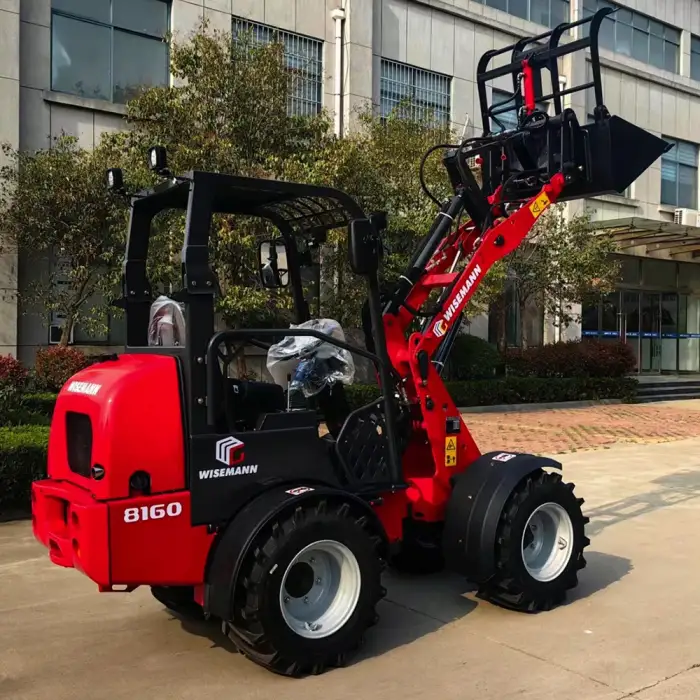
560, 263
378, 163
226, 111
53, 202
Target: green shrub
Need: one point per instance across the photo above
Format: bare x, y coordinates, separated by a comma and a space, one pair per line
515, 390
23, 452
54, 366
472, 358
41, 404
587, 358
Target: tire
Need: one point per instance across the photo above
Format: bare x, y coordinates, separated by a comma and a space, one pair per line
542, 517
285, 567
178, 599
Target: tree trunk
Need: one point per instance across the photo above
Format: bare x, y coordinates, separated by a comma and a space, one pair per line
522, 306
499, 311
67, 330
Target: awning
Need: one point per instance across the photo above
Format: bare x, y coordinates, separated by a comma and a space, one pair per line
671, 238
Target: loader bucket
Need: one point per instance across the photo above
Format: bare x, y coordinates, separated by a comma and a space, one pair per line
618, 153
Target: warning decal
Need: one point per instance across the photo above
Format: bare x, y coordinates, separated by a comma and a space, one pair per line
450, 451
539, 205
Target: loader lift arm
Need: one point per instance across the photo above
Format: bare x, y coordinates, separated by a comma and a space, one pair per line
547, 158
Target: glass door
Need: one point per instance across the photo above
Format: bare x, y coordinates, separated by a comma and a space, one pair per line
629, 322
650, 311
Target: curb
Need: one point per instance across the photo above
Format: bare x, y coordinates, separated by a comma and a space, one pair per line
528, 407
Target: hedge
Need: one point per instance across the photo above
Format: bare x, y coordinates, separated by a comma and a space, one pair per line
23, 447
515, 390
587, 358
22, 460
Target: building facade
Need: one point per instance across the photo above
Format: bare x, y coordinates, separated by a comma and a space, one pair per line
70, 65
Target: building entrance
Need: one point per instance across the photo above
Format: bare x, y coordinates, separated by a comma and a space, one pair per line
661, 328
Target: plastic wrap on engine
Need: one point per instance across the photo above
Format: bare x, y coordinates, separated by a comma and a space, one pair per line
311, 363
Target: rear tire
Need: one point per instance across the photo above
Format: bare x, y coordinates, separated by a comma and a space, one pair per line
539, 545
178, 599
307, 590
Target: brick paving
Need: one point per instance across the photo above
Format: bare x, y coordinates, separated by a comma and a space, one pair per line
553, 431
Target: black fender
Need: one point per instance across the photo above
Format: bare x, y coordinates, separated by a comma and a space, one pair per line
474, 510
234, 540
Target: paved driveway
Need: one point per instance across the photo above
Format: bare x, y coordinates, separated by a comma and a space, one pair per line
632, 630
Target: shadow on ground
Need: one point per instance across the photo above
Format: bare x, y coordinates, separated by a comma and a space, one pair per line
416, 606
602, 570
673, 489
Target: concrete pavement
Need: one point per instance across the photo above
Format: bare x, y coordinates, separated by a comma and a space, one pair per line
631, 630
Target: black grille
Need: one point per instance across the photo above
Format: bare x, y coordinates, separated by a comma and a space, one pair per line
79, 442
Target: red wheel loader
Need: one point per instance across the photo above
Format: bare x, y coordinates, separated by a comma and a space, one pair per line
222, 496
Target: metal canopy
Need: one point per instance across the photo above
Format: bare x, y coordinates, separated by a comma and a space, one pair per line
293, 207
675, 239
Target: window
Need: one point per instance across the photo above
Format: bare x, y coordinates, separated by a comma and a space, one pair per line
548, 13
304, 56
426, 94
637, 36
679, 175
508, 120
108, 49
695, 58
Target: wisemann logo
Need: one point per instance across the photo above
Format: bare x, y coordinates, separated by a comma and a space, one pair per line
441, 325
89, 388
229, 471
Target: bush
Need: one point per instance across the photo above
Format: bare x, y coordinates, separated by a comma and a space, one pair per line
588, 358
41, 404
22, 460
515, 390
12, 372
56, 365
473, 358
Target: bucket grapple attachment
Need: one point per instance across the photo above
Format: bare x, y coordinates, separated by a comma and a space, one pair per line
604, 156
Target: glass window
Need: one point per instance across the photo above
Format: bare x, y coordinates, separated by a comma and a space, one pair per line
304, 57
638, 36
695, 58
679, 175
548, 13
108, 49
80, 58
138, 63
427, 93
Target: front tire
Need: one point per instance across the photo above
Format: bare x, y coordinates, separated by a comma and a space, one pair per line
539, 545
307, 590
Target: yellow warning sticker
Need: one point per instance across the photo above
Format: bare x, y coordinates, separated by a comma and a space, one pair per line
450, 451
539, 205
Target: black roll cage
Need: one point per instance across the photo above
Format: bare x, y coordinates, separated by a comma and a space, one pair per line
296, 210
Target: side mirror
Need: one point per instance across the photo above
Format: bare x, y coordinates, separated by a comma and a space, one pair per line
272, 259
364, 247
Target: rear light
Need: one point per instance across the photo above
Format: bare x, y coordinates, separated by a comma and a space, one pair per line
79, 442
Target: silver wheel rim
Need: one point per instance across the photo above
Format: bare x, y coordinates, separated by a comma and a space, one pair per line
320, 589
547, 542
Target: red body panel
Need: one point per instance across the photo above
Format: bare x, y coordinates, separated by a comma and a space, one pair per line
136, 419
96, 538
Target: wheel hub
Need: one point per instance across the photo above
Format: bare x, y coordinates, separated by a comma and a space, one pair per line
547, 542
320, 589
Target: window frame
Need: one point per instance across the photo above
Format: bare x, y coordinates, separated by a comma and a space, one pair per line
669, 34
112, 28
444, 114
678, 164
281, 36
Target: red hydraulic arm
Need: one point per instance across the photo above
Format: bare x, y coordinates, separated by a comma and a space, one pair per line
446, 435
